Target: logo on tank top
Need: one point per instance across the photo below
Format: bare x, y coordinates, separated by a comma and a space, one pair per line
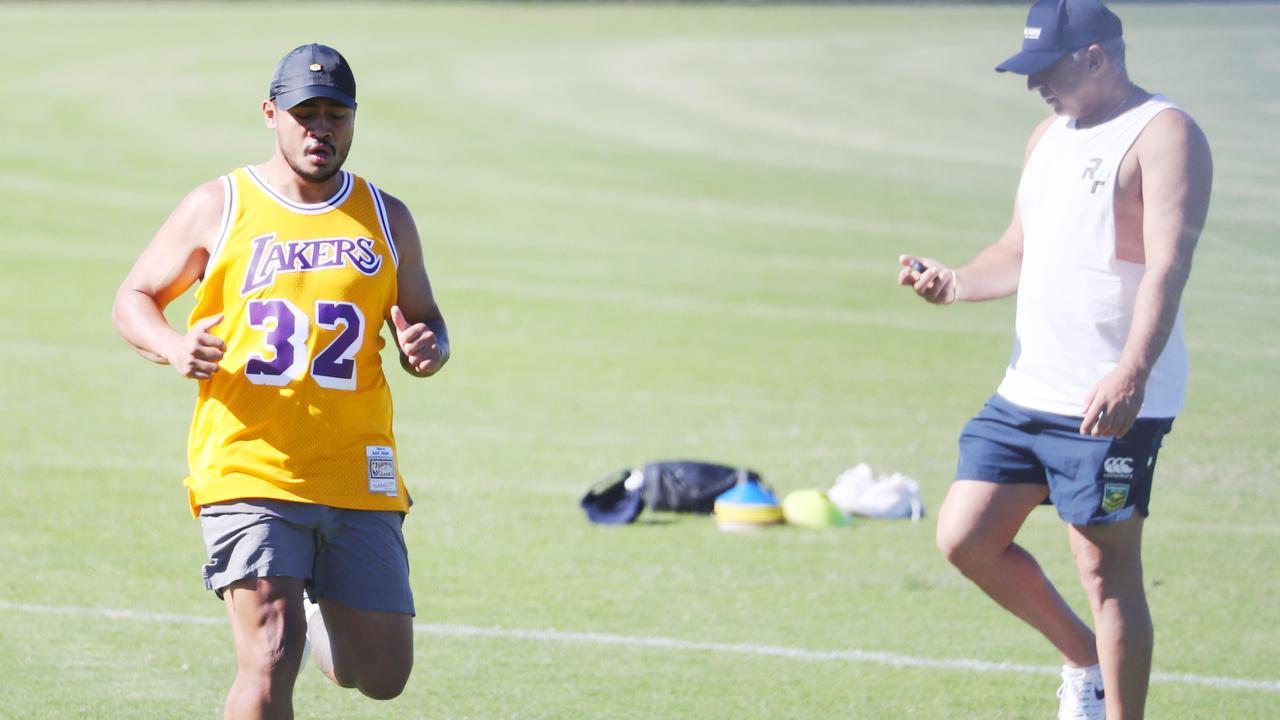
1093, 176
272, 258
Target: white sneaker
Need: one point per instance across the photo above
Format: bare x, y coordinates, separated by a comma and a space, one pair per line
1081, 696
309, 608
317, 638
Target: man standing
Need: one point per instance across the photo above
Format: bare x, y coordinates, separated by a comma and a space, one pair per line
294, 473
1114, 193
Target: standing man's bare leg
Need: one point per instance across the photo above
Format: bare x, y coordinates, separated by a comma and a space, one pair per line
976, 527
1109, 559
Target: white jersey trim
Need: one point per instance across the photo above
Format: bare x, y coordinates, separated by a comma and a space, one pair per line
384, 221
344, 190
230, 205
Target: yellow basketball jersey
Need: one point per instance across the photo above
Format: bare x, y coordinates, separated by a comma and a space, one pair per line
299, 409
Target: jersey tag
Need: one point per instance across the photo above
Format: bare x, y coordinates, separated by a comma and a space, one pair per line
382, 469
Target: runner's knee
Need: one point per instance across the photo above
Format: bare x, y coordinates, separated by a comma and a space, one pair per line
379, 670
385, 686
273, 647
381, 679
274, 653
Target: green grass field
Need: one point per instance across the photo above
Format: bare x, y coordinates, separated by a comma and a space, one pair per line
656, 232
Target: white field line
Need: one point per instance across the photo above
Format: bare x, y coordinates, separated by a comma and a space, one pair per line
589, 638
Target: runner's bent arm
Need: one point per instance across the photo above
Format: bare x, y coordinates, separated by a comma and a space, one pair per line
171, 263
419, 328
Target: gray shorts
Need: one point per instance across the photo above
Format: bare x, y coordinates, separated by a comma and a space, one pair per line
355, 558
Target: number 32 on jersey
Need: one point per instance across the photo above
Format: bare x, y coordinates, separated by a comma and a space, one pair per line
287, 328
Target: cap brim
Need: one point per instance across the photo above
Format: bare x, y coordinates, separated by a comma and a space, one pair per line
605, 509
1029, 62
286, 100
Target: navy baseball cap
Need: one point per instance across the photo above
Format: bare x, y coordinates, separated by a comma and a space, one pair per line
615, 500
312, 71
1055, 28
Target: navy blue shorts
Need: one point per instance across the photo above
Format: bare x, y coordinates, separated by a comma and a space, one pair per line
1092, 480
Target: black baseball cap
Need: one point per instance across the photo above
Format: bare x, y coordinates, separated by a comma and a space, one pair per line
1057, 27
312, 71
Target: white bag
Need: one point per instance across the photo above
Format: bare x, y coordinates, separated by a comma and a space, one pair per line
858, 492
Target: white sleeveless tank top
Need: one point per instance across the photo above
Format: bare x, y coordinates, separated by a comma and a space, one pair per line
1075, 298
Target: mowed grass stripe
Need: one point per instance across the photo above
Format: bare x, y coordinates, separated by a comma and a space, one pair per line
889, 659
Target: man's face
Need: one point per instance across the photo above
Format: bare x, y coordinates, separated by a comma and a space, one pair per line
1062, 84
314, 136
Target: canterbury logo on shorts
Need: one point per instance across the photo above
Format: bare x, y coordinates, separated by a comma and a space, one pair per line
1118, 467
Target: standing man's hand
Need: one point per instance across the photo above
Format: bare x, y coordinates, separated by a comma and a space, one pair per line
1112, 406
197, 353
931, 280
421, 351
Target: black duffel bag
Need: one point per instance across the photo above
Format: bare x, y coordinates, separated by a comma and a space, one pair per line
686, 486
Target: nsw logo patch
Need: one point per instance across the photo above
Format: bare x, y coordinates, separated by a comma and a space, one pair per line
1114, 496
